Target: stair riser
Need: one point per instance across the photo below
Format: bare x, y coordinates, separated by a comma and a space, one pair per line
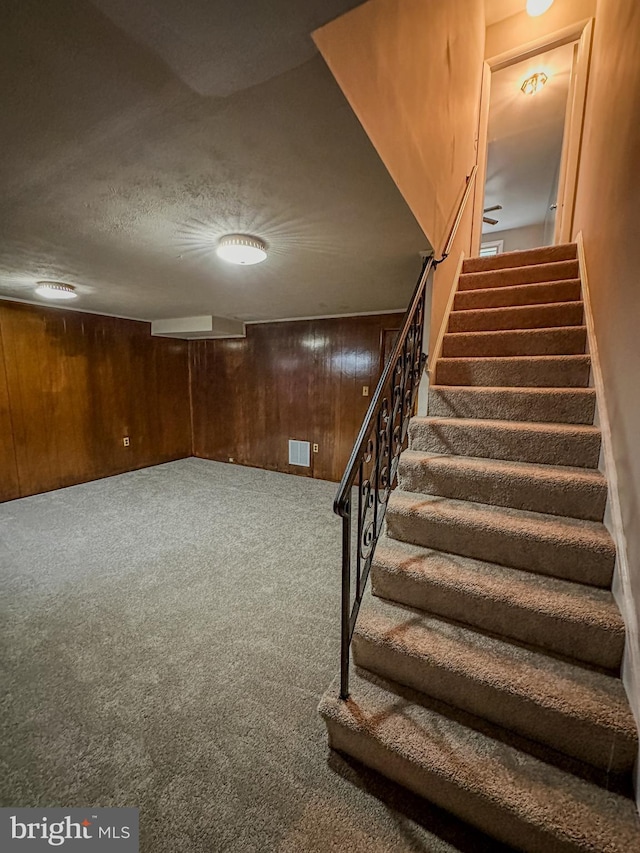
476, 810
533, 552
586, 741
586, 642
558, 407
450, 437
527, 317
525, 373
523, 294
514, 798
561, 341
520, 275
575, 500
523, 258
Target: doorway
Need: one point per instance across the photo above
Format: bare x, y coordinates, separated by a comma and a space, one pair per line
529, 140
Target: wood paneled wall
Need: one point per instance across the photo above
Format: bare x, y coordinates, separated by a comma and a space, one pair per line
9, 485
300, 380
73, 385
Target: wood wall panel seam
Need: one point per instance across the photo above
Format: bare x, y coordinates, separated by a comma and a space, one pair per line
9, 487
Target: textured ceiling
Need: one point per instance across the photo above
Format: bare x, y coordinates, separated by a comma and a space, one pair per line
136, 134
525, 140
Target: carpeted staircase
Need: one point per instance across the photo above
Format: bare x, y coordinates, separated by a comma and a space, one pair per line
487, 662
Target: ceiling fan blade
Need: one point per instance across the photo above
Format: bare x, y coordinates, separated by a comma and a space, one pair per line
489, 220
495, 207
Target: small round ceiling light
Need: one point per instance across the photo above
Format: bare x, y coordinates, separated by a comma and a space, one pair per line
538, 7
534, 83
242, 249
56, 290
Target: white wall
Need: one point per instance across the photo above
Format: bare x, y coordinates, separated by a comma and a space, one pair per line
527, 237
412, 71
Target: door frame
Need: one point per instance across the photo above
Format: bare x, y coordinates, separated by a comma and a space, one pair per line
582, 33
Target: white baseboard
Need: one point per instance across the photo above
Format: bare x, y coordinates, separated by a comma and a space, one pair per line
622, 591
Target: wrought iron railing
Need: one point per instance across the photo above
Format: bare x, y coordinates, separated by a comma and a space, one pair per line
371, 472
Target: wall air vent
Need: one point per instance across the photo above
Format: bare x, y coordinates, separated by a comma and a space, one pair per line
299, 453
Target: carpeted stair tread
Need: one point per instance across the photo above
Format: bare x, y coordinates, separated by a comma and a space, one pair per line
488, 655
546, 371
576, 445
510, 276
579, 712
568, 548
522, 258
544, 405
553, 489
507, 793
567, 618
517, 317
519, 294
561, 340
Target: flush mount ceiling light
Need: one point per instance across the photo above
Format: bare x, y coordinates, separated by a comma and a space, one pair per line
242, 249
56, 290
534, 83
538, 7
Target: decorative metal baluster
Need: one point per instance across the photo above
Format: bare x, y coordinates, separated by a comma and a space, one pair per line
361, 483
373, 464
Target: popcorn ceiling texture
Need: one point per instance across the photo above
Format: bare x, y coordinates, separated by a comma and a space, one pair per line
142, 132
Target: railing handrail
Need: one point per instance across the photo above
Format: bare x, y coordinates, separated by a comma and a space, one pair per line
348, 478
456, 222
376, 452
344, 490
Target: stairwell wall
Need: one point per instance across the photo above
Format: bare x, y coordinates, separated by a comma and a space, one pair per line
607, 212
412, 72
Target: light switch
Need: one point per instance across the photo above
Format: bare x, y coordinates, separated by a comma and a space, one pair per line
365, 390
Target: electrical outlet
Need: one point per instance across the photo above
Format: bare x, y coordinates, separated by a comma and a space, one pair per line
365, 390
315, 448
126, 441
231, 459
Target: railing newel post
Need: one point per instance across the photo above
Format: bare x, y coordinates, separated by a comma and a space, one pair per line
345, 634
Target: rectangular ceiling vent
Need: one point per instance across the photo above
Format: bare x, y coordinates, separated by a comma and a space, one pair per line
299, 453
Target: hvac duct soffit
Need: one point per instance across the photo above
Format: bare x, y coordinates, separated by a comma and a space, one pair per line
204, 327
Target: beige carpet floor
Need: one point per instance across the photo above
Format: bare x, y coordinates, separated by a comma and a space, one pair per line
166, 636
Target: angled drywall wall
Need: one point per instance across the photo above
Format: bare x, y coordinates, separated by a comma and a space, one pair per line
411, 70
